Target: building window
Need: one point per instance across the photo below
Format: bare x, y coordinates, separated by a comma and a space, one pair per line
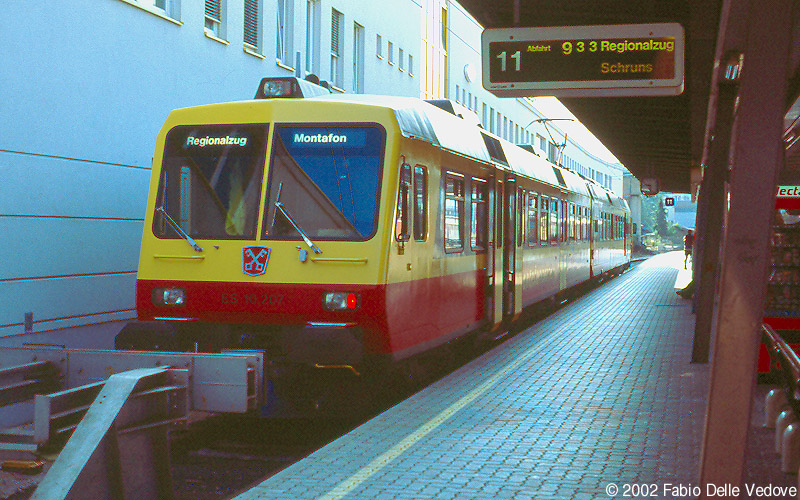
400, 56
443, 31
454, 213
410, 65
163, 8
213, 18
390, 52
551, 152
358, 58
433, 68
284, 39
336, 47
379, 46
312, 36
252, 33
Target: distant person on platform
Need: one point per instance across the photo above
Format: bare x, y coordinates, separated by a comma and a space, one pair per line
688, 242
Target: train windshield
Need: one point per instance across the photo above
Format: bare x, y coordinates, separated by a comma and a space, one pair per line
324, 182
211, 182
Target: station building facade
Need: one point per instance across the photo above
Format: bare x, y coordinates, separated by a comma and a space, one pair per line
88, 84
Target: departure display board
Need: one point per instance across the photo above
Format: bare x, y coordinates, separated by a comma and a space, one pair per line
584, 61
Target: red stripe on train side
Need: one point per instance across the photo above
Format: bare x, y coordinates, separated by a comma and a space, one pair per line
426, 310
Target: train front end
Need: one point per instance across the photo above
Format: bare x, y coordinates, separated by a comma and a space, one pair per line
266, 229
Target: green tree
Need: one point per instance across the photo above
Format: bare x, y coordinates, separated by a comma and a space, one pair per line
662, 226
649, 207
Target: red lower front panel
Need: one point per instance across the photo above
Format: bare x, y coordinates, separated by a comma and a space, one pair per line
394, 318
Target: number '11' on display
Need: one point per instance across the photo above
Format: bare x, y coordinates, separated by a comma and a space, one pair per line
516, 56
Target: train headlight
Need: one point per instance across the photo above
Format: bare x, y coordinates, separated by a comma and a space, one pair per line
341, 301
169, 296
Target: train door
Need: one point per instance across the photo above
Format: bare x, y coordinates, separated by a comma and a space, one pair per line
592, 238
626, 234
494, 245
509, 216
563, 244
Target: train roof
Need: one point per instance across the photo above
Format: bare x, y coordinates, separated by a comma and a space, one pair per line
432, 123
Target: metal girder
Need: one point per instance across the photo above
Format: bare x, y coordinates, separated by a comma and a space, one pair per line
120, 449
220, 382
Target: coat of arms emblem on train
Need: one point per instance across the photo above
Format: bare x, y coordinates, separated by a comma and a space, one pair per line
254, 260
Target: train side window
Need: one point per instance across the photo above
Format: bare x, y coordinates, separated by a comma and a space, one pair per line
521, 204
564, 222
613, 219
554, 222
585, 224
479, 216
404, 192
544, 217
598, 234
571, 221
602, 221
499, 191
453, 213
612, 222
612, 230
533, 219
420, 203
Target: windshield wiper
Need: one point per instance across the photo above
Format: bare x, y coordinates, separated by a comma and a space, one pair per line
294, 224
174, 225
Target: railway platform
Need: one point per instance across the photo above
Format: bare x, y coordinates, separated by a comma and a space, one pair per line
599, 400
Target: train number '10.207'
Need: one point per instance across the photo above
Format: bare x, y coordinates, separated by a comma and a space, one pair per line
253, 299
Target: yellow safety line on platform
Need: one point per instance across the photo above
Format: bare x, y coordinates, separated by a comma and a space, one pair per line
352, 482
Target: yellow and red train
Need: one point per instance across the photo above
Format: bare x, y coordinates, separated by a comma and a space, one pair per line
355, 231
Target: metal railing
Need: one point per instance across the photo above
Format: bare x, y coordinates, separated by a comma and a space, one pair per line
784, 361
782, 406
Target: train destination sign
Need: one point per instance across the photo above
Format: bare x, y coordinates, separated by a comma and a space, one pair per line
584, 61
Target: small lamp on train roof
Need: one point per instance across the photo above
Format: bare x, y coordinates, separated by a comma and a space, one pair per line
289, 87
277, 88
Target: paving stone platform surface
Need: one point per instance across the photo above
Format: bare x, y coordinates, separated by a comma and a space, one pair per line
598, 396
598, 400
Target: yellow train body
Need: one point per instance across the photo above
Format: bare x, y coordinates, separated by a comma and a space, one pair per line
462, 232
